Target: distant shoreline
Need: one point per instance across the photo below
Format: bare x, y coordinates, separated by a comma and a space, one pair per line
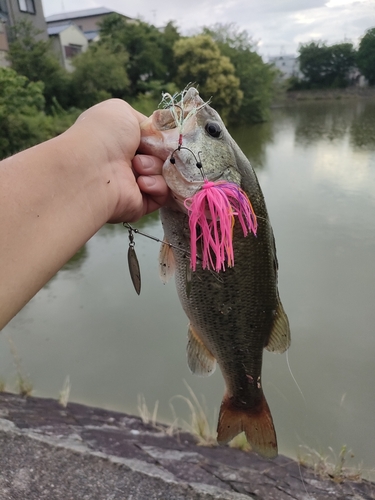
330, 94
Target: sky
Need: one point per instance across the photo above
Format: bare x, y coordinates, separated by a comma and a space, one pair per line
278, 26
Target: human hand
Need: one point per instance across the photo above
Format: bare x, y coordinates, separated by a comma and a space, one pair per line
132, 184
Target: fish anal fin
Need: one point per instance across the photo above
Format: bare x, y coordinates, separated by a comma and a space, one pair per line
279, 340
256, 422
200, 360
167, 262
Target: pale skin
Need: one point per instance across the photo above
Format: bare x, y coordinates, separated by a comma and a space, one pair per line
55, 196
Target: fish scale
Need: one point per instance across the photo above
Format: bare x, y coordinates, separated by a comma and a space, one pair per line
234, 314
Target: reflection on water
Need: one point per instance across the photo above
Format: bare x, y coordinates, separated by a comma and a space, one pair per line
253, 141
77, 260
363, 126
316, 165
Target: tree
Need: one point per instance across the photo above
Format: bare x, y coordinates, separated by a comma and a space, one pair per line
169, 36
19, 101
200, 62
366, 55
33, 58
342, 61
145, 45
99, 74
326, 66
256, 78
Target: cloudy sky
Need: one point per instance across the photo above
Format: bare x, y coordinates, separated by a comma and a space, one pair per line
278, 25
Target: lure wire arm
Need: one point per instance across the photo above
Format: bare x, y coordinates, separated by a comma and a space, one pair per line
132, 229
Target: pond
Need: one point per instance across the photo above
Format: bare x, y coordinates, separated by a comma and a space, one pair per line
316, 165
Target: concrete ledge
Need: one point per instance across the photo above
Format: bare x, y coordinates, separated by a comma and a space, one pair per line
79, 453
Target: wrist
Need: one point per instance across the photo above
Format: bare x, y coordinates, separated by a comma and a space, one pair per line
87, 171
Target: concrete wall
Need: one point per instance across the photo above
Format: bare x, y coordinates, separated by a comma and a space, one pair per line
15, 15
3, 46
3, 38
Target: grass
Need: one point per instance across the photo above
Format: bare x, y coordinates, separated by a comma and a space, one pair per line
199, 424
24, 385
2, 386
65, 392
240, 442
331, 465
145, 414
150, 417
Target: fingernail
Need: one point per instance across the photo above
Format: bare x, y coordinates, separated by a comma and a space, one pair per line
149, 181
147, 161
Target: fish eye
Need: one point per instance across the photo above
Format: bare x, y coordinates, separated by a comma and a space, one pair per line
213, 129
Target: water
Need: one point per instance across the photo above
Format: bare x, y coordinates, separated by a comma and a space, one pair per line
316, 165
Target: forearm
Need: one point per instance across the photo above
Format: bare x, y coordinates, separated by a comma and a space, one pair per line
52, 200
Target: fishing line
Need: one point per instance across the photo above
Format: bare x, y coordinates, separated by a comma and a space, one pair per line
294, 379
304, 400
132, 229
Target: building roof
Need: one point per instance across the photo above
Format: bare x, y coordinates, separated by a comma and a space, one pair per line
55, 30
77, 14
91, 35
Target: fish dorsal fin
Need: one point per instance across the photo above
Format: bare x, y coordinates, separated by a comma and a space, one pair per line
167, 263
200, 360
279, 340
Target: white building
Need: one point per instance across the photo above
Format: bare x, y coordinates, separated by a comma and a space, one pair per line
288, 65
67, 41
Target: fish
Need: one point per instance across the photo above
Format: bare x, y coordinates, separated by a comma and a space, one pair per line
234, 313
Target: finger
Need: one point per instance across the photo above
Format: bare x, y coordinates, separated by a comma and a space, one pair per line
154, 186
147, 165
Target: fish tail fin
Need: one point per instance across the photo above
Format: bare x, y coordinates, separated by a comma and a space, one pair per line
256, 422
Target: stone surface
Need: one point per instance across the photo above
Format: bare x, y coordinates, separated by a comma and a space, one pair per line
79, 452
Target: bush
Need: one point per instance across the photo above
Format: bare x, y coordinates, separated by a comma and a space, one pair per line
23, 121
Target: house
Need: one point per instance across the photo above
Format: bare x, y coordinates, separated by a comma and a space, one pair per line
288, 65
87, 20
67, 41
14, 11
3, 44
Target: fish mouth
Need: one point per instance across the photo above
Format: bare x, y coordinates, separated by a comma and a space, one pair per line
161, 132
164, 135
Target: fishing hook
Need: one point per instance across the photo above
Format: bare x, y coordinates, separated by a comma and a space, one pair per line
198, 163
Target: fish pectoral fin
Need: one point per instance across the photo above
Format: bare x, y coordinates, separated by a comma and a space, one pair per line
279, 340
167, 262
256, 422
200, 360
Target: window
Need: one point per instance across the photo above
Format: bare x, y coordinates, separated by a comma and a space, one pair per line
72, 50
3, 6
27, 6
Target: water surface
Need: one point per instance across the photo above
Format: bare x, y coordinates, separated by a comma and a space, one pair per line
316, 166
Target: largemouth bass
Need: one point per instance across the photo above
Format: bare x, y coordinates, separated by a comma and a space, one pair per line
234, 313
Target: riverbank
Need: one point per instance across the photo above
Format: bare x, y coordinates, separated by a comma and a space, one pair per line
330, 94
80, 452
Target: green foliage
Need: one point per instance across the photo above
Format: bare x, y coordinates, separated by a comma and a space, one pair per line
326, 66
18, 95
23, 122
257, 79
199, 61
366, 55
169, 37
32, 57
19, 101
149, 50
99, 74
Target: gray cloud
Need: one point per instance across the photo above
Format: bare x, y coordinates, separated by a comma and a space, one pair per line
280, 25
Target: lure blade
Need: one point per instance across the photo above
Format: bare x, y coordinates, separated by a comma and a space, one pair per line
134, 269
